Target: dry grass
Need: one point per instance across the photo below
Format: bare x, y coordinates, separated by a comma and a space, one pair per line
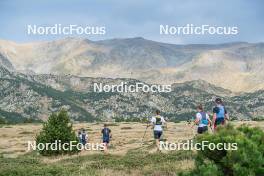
128, 155
14, 138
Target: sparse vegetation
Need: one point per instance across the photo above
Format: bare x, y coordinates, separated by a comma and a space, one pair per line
12, 117
26, 132
122, 119
2, 120
258, 118
112, 124
32, 120
126, 128
137, 162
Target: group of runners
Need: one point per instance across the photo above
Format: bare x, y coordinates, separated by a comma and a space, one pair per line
202, 120
106, 136
158, 123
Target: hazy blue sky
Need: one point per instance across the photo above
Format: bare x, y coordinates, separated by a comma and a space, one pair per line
133, 18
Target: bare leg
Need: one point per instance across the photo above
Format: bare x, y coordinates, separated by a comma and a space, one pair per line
157, 144
106, 147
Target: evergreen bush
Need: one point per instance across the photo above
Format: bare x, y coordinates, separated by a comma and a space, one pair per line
247, 160
57, 128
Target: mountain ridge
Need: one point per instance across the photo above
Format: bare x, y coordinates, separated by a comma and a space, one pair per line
235, 66
37, 96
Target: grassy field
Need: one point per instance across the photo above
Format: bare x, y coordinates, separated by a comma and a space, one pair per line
127, 155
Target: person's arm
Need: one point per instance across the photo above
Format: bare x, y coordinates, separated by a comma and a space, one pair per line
152, 122
149, 122
214, 118
215, 110
226, 115
110, 134
209, 120
196, 121
164, 123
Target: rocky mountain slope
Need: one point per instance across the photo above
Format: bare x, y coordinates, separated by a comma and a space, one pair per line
233, 66
37, 96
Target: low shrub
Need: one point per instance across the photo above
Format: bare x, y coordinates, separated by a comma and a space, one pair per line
247, 160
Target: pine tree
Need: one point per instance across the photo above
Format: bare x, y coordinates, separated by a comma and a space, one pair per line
57, 128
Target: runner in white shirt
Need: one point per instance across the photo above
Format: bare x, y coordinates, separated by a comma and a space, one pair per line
158, 122
202, 120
